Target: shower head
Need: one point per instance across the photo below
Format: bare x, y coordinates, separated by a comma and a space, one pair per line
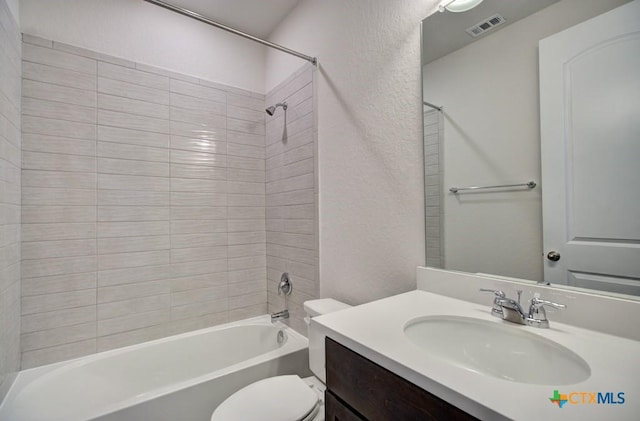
272, 109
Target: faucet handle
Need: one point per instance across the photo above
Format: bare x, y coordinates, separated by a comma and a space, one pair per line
497, 293
497, 307
538, 303
537, 315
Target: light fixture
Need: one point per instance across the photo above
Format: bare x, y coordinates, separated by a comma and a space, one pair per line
459, 5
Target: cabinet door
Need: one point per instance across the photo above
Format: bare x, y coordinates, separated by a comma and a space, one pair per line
337, 411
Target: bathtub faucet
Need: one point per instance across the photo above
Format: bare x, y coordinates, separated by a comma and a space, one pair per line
284, 314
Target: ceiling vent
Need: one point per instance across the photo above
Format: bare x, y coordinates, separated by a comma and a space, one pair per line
485, 26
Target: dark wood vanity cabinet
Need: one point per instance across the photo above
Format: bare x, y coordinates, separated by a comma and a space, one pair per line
359, 389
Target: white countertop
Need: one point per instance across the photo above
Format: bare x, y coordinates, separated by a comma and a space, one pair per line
376, 331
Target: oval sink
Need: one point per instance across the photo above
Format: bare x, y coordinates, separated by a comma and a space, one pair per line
498, 350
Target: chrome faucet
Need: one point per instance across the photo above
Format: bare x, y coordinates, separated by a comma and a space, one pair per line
284, 314
510, 310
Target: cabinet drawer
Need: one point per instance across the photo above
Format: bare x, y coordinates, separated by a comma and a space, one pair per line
338, 411
378, 394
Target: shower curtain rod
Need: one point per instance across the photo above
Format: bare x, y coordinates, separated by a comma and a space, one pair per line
428, 104
208, 21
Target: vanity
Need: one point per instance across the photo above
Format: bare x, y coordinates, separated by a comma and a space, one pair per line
432, 354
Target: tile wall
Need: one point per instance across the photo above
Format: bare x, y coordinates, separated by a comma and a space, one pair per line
143, 203
433, 136
10, 140
292, 195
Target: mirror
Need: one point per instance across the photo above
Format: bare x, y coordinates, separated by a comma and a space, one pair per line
482, 128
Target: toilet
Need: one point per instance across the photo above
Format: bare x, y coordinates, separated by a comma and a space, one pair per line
284, 398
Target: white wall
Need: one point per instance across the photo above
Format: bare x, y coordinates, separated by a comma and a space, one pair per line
139, 31
14, 8
369, 146
489, 91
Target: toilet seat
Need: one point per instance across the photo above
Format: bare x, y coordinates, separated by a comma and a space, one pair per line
280, 398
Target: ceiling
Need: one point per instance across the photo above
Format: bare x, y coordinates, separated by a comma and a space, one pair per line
444, 33
255, 17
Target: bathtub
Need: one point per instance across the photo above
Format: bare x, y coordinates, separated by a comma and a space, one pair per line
183, 377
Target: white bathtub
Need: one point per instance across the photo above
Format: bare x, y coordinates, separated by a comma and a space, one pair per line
183, 377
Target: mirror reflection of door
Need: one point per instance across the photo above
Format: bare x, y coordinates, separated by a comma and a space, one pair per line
590, 142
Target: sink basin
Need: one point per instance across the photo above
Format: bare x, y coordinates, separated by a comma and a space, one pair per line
496, 349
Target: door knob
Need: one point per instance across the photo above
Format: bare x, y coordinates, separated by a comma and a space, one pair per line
554, 256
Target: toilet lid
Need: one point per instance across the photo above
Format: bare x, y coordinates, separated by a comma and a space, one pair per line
281, 398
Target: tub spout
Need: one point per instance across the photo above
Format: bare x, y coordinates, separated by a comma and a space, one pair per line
284, 314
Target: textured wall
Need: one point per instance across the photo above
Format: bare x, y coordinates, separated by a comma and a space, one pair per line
150, 34
143, 201
370, 152
10, 140
292, 240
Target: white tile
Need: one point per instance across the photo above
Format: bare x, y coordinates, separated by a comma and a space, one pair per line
198, 240
32, 39
50, 127
199, 145
198, 226
58, 76
236, 174
198, 268
34, 178
132, 229
133, 106
199, 322
199, 309
133, 321
296, 226
243, 101
246, 139
246, 200
132, 305
130, 90
56, 58
59, 318
245, 225
197, 91
51, 92
291, 212
54, 354
198, 199
92, 54
198, 295
199, 131
198, 212
133, 244
167, 73
247, 151
196, 185
247, 300
198, 281
131, 291
58, 283
297, 197
58, 231
58, 162
246, 237
198, 254
246, 275
132, 137
243, 187
135, 152
246, 163
256, 116
198, 171
58, 145
132, 198
58, 301
247, 212
191, 103
62, 248
64, 197
57, 336
133, 213
247, 262
132, 275
133, 259
203, 117
198, 158
305, 181
245, 126
134, 76
132, 337
130, 167
58, 266
58, 110
49, 214
132, 121
132, 182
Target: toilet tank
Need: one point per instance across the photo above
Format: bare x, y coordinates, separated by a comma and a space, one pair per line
315, 308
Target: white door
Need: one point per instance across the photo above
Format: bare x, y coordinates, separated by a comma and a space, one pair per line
590, 147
